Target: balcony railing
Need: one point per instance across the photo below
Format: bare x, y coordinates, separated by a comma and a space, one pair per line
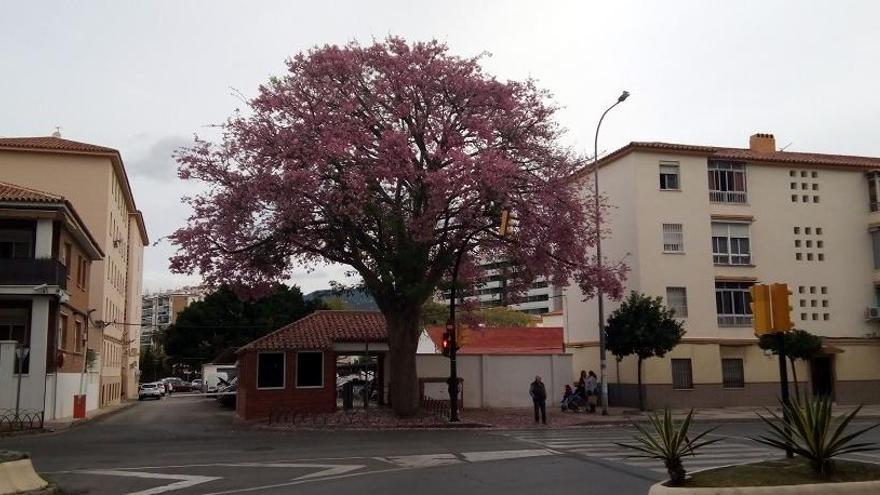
734, 320
739, 197
33, 272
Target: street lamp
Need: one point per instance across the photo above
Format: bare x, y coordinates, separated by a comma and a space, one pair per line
603, 377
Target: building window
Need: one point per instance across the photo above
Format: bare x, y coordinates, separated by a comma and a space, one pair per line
676, 300
732, 303
730, 243
727, 182
82, 272
62, 332
875, 244
874, 191
79, 336
732, 373
682, 375
13, 326
673, 238
669, 176
309, 369
16, 242
65, 257
270, 370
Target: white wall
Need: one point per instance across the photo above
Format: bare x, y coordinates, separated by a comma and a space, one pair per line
494, 380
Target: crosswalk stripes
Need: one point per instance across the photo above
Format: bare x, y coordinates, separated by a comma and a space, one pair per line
599, 444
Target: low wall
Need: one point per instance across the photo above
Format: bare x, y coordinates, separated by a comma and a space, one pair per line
499, 380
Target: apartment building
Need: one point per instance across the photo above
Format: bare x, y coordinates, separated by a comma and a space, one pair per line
491, 291
698, 225
45, 257
160, 310
93, 179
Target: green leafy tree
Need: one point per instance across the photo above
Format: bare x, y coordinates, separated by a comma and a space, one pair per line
336, 303
799, 344
644, 327
151, 365
505, 317
222, 320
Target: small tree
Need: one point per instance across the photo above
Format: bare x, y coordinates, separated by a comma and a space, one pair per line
799, 344
642, 326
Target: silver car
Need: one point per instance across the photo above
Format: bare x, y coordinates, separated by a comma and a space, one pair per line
150, 391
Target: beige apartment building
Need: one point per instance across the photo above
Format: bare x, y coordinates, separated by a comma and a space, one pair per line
93, 179
698, 225
159, 311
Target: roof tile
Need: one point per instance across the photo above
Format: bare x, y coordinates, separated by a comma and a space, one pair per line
52, 143
12, 192
322, 329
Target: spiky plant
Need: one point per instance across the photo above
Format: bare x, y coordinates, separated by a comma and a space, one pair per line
814, 433
668, 442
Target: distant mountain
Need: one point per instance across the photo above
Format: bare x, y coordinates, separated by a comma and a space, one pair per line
354, 298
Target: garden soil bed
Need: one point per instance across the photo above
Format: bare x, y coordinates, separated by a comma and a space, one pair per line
781, 472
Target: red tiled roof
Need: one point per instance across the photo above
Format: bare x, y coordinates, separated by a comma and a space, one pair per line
12, 192
322, 329
744, 154
506, 340
52, 143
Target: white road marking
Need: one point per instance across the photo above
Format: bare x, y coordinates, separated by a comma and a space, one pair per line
423, 461
326, 469
184, 480
505, 454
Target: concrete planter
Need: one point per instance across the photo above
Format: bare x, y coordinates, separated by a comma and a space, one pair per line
853, 488
17, 474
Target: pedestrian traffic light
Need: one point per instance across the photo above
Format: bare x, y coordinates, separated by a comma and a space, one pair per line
445, 344
781, 308
761, 319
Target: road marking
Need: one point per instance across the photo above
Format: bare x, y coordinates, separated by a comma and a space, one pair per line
326, 469
184, 480
423, 461
505, 454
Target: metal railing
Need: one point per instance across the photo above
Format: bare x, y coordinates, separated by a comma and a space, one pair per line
739, 197
34, 271
24, 419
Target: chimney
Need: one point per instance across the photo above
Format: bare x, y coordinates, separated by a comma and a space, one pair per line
762, 143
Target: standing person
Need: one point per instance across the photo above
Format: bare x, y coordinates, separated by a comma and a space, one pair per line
591, 385
581, 388
539, 399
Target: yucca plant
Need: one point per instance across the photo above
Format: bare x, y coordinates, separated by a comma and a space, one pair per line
669, 442
814, 433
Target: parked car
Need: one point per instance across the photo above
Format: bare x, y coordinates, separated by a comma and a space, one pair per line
198, 385
175, 384
150, 391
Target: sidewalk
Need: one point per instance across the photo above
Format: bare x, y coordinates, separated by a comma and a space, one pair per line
70, 422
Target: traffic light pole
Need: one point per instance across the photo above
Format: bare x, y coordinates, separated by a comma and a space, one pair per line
783, 382
453, 343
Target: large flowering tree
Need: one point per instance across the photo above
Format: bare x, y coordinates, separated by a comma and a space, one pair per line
393, 159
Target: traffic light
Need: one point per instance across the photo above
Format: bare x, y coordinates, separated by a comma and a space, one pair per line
781, 308
761, 320
445, 344
505, 221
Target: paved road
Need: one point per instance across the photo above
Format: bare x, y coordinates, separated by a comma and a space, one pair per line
190, 446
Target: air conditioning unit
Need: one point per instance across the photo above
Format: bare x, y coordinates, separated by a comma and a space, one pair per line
873, 313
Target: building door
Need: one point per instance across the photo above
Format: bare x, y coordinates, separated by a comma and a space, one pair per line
822, 376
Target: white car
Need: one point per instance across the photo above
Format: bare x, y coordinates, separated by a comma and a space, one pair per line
150, 390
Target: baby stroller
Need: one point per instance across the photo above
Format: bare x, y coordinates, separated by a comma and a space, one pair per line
572, 401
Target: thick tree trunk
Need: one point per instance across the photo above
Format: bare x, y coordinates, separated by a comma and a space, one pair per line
641, 392
403, 340
797, 394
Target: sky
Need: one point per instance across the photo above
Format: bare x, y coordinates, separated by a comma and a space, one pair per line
144, 77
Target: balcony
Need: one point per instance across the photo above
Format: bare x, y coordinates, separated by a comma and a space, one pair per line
33, 272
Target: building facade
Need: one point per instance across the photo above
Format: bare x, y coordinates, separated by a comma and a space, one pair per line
698, 225
160, 310
491, 291
93, 179
46, 253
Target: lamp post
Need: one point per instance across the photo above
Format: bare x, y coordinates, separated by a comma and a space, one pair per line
603, 376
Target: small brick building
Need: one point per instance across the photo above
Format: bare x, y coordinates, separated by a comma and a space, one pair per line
294, 367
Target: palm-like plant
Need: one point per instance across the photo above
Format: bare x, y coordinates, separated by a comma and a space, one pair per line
669, 442
814, 433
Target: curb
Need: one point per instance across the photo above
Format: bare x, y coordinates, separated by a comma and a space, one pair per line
47, 430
